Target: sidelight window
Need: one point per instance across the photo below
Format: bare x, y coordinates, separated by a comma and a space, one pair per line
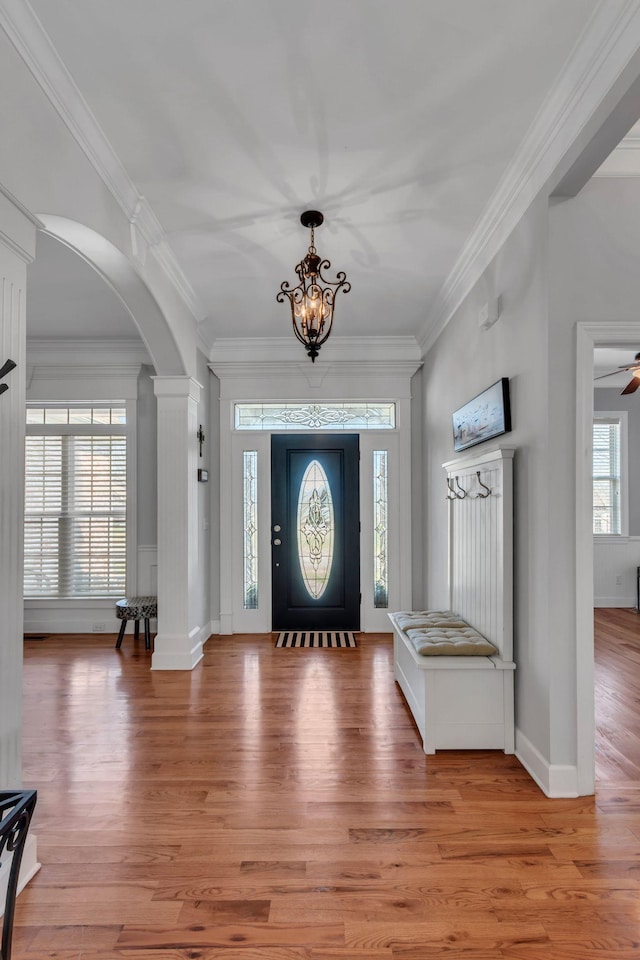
380, 530
250, 518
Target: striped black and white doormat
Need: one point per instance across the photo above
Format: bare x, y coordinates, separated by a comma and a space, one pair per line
316, 638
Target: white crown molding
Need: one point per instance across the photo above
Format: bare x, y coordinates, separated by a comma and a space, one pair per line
17, 232
317, 373
339, 350
59, 351
605, 47
28, 36
82, 383
85, 372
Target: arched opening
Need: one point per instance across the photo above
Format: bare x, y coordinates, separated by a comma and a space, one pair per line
86, 354
134, 294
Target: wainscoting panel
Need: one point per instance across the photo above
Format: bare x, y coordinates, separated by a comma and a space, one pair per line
480, 539
91, 616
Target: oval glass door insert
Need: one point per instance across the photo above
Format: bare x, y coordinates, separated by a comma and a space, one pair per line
315, 529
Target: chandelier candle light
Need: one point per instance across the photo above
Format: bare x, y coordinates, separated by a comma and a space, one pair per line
313, 298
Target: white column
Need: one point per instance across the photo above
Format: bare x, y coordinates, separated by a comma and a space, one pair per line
178, 644
17, 248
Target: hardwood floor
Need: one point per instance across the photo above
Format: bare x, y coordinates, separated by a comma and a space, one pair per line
276, 805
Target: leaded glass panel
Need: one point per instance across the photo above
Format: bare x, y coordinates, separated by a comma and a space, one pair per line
315, 416
250, 519
380, 529
315, 523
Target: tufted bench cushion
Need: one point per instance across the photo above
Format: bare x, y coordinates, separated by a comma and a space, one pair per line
449, 642
428, 619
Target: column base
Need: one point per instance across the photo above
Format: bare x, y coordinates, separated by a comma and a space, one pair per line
180, 652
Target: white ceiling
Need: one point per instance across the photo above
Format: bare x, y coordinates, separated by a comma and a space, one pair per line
396, 119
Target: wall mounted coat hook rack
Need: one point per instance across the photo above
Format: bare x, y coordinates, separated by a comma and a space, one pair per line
483, 496
462, 493
452, 495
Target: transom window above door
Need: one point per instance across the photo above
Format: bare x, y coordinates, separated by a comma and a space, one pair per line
315, 416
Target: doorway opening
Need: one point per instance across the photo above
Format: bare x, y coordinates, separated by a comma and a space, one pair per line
315, 527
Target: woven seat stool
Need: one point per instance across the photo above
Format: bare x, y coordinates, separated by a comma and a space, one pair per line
136, 609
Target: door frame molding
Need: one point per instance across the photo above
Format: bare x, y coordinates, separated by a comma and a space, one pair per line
588, 336
264, 381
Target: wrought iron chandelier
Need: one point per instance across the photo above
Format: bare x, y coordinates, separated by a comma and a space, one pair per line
312, 300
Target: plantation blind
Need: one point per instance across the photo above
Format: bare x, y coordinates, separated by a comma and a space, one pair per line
606, 477
75, 509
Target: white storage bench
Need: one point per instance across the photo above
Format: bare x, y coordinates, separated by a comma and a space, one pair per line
465, 702
459, 702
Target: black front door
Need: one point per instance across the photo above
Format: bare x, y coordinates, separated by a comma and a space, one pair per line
315, 532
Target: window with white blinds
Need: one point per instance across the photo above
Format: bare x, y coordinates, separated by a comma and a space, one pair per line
608, 478
75, 536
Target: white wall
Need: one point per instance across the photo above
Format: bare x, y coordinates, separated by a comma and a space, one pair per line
464, 361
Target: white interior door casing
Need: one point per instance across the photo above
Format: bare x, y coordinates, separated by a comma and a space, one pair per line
372, 618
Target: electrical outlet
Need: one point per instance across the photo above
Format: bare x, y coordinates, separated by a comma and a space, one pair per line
618, 581
99, 627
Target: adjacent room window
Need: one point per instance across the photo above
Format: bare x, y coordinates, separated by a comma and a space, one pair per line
609, 474
75, 536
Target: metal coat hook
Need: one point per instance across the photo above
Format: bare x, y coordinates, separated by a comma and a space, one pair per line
6, 368
452, 495
461, 495
483, 496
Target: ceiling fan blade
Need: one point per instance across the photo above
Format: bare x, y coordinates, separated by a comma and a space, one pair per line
631, 387
6, 368
612, 374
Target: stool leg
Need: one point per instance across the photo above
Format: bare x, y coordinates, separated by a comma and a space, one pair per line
123, 627
147, 634
136, 630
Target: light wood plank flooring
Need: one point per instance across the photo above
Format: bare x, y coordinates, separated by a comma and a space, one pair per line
276, 805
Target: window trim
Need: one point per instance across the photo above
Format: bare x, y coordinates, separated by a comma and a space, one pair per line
621, 417
129, 430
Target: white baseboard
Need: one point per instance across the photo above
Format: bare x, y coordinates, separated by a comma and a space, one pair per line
215, 627
555, 780
177, 652
28, 868
614, 602
204, 633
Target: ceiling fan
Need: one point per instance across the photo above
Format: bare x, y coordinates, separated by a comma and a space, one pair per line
634, 383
